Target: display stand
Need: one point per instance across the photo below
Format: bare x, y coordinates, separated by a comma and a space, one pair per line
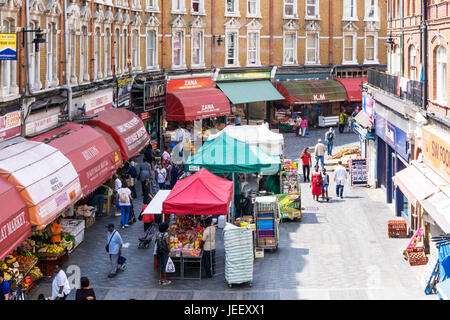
267, 215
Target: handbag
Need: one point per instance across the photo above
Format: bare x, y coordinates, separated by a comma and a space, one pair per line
307, 132
107, 246
170, 267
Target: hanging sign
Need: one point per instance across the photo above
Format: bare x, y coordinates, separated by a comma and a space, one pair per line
8, 46
358, 172
10, 125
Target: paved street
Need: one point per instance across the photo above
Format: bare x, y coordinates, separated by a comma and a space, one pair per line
340, 250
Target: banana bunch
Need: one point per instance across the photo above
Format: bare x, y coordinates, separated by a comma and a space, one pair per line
10, 259
36, 273
3, 266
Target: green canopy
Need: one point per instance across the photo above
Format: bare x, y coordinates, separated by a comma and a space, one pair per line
249, 91
226, 154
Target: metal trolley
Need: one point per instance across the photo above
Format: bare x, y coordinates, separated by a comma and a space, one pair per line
267, 216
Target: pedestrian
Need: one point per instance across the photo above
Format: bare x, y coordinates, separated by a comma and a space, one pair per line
298, 125
342, 117
117, 186
85, 292
166, 156
148, 153
132, 171
306, 164
148, 219
54, 231
316, 183
98, 199
60, 284
325, 182
238, 121
125, 204
4, 287
162, 252
319, 152
174, 175
167, 183
304, 126
147, 192
113, 248
340, 177
161, 175
329, 138
144, 174
209, 248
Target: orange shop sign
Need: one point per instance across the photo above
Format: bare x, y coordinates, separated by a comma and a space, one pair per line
189, 84
436, 145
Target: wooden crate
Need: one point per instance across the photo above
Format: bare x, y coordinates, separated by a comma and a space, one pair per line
397, 229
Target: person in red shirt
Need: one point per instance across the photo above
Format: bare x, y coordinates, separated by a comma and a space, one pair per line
147, 219
306, 163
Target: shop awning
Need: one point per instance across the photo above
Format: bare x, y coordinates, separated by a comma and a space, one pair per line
414, 185
227, 155
353, 88
95, 156
44, 177
155, 206
187, 105
438, 207
311, 91
202, 193
15, 224
125, 127
364, 120
249, 91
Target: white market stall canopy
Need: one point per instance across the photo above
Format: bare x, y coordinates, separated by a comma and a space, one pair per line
155, 206
257, 135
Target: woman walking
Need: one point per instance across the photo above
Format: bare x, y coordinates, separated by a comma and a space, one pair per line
162, 252
316, 183
125, 204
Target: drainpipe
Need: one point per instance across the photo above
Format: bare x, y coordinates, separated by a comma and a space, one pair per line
330, 42
163, 38
424, 54
271, 14
29, 92
213, 42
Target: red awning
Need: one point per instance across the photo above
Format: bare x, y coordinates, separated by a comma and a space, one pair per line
186, 105
93, 154
126, 128
202, 193
15, 224
353, 88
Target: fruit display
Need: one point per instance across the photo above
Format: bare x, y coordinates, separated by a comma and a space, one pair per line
36, 273
50, 250
185, 237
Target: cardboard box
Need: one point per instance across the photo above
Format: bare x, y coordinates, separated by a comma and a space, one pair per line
259, 253
270, 242
261, 241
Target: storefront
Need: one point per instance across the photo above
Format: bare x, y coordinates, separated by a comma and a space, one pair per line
148, 101
393, 155
250, 93
318, 101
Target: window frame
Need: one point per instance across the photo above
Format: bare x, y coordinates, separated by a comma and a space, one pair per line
295, 9
154, 65
376, 16
441, 75
182, 64
294, 47
412, 67
256, 50
316, 48
257, 13
201, 8
236, 49
181, 9
136, 47
375, 48
354, 56
354, 4
201, 52
236, 12
316, 10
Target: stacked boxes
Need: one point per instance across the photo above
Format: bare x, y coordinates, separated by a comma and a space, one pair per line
238, 244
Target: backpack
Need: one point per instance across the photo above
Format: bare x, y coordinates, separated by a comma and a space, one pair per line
123, 198
330, 136
161, 245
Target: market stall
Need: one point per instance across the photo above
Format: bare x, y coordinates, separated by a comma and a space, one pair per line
267, 218
200, 194
290, 198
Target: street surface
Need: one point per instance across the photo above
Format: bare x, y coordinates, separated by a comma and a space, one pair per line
340, 250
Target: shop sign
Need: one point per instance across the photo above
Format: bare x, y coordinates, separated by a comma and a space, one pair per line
436, 150
243, 76
144, 116
319, 97
98, 101
154, 94
393, 135
12, 225
124, 86
41, 121
189, 84
368, 104
10, 125
193, 168
8, 46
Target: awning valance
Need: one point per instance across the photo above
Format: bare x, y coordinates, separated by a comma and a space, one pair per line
414, 185
438, 207
311, 91
353, 88
155, 206
249, 91
196, 104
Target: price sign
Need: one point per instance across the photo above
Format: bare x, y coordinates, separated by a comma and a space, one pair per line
358, 171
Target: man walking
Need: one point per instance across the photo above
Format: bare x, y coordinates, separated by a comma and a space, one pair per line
342, 117
161, 175
329, 137
114, 248
319, 152
306, 163
133, 173
98, 199
340, 178
60, 284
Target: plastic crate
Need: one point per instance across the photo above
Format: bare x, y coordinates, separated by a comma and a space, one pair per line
397, 229
265, 233
265, 225
416, 256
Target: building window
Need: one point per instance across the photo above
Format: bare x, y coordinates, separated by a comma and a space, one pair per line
178, 6
371, 49
52, 55
97, 55
135, 50
178, 49
8, 85
125, 50
73, 44
117, 51
253, 48
152, 5
253, 9
312, 9
231, 50
232, 8
412, 63
349, 48
312, 48
151, 49
371, 10
84, 55
290, 9
350, 12
290, 48
197, 7
197, 48
107, 70
441, 75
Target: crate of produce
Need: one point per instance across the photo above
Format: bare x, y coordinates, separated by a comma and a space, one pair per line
47, 267
416, 256
397, 229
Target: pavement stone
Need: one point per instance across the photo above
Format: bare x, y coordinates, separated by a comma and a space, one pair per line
340, 250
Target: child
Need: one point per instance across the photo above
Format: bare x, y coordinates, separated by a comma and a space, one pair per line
325, 181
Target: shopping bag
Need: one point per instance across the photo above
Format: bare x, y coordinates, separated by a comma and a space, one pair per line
170, 267
307, 132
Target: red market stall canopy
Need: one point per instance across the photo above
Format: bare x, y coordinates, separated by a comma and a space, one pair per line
196, 104
44, 177
93, 152
311, 91
15, 224
202, 193
125, 127
353, 88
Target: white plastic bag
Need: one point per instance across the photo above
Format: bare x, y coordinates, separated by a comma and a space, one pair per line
170, 267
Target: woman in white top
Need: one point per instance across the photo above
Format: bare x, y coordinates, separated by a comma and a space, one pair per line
125, 203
